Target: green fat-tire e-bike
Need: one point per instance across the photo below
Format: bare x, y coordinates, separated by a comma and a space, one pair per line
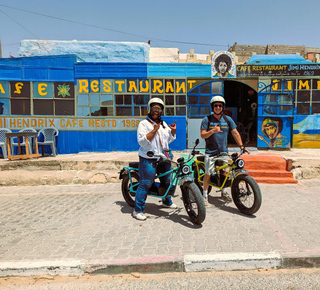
245, 191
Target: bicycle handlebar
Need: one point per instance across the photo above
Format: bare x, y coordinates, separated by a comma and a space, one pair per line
233, 156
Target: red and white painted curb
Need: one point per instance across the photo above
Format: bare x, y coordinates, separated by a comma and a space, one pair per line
187, 263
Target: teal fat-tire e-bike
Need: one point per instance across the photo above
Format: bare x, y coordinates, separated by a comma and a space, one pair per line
181, 175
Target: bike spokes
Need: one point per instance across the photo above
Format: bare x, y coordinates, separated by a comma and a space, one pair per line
193, 202
245, 194
129, 187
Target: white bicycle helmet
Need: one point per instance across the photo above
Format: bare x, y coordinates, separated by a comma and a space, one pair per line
154, 101
217, 99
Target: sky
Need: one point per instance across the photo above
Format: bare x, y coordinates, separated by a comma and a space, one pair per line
201, 25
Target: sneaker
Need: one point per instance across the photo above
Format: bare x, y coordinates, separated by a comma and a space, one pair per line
225, 195
139, 216
173, 205
205, 199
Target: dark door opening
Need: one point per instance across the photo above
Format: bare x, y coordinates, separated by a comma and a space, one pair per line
242, 101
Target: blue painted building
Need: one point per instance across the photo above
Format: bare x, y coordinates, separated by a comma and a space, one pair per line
98, 106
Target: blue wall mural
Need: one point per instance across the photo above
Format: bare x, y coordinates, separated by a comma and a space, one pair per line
274, 132
306, 131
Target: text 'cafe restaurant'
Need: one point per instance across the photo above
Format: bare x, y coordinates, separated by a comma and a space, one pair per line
275, 100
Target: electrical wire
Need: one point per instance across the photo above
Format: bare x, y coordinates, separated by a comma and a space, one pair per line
113, 30
11, 44
24, 28
19, 23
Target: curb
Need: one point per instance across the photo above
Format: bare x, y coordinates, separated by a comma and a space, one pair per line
41, 267
187, 263
232, 261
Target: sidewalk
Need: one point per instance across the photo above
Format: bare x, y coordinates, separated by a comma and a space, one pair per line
99, 167
79, 229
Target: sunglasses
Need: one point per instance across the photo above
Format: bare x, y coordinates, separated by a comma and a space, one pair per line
155, 109
220, 106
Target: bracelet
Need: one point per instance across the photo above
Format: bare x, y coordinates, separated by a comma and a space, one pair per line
242, 147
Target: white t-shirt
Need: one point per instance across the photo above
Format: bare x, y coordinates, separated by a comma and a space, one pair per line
154, 145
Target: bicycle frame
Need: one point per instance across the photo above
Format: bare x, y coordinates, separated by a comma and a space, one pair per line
231, 167
180, 174
173, 183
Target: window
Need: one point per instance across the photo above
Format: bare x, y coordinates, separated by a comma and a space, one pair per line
277, 99
130, 97
53, 98
4, 98
301, 94
64, 107
315, 101
128, 105
20, 98
43, 98
303, 102
171, 91
278, 104
95, 105
270, 99
199, 98
20, 107
205, 89
43, 107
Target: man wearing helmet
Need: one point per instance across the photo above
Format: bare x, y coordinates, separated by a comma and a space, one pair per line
153, 135
214, 129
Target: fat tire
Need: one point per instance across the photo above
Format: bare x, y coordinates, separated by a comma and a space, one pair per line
195, 174
191, 195
240, 195
125, 187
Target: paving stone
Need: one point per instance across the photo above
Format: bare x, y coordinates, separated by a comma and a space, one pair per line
82, 222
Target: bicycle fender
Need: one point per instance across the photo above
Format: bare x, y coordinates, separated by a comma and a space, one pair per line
187, 178
241, 171
121, 173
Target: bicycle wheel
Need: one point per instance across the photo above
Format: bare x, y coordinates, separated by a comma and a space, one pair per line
246, 194
193, 202
200, 172
128, 195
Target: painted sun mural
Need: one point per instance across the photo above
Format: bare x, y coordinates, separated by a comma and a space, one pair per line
306, 131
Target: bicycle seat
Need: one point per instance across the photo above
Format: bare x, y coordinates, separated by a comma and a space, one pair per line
200, 158
219, 163
134, 164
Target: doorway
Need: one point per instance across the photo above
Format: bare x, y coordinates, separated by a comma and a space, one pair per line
241, 105
243, 100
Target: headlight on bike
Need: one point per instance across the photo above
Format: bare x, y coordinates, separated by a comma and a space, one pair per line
240, 163
185, 169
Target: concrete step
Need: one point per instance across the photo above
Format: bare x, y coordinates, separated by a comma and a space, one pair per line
268, 168
104, 168
59, 171
270, 173
264, 161
274, 180
58, 177
51, 164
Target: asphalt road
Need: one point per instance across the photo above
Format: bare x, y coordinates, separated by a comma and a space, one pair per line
303, 279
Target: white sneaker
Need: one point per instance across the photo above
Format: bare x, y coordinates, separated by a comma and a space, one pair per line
225, 195
139, 216
205, 199
173, 205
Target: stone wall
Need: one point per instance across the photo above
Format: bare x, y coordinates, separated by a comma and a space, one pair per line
89, 51
164, 55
